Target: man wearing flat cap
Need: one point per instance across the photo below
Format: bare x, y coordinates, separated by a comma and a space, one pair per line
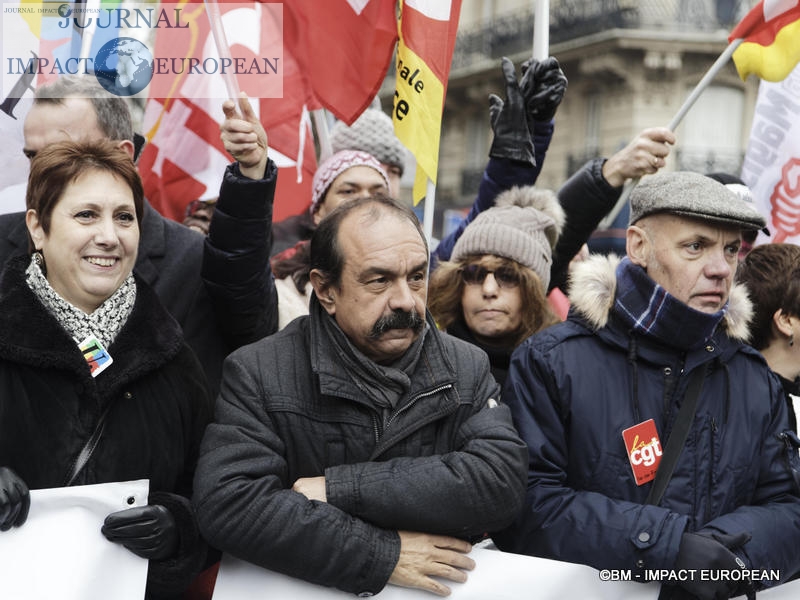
658, 439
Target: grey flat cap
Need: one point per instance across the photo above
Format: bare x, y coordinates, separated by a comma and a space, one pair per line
692, 195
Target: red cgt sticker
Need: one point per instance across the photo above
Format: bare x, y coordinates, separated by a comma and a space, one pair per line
644, 450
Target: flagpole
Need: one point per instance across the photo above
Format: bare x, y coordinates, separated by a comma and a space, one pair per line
541, 29
427, 210
223, 48
721, 61
92, 7
323, 134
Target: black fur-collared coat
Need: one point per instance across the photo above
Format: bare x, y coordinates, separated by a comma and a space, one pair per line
50, 405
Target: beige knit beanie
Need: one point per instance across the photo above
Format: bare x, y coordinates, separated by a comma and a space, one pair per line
523, 225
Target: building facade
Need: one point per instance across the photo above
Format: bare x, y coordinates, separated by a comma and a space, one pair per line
630, 64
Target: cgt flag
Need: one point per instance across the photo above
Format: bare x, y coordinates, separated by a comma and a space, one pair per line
771, 34
427, 37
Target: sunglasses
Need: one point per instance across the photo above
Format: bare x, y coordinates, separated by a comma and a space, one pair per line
506, 277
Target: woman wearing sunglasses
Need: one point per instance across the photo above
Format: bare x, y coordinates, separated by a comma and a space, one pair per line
493, 290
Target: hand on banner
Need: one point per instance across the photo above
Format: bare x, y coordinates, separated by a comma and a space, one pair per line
423, 555
244, 137
512, 139
147, 531
711, 551
543, 85
312, 488
645, 155
15, 500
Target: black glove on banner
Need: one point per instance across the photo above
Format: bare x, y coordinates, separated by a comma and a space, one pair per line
543, 85
15, 500
147, 531
509, 123
711, 551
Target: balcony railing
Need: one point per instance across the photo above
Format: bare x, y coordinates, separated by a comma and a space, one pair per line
512, 33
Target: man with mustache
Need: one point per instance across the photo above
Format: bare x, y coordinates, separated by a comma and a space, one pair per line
359, 446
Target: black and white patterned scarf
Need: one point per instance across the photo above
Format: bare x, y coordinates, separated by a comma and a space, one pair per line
104, 323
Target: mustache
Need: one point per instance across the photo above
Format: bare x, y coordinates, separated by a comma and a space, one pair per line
398, 319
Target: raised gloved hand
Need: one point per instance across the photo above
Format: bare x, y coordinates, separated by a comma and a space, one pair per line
147, 531
711, 551
512, 139
15, 500
542, 85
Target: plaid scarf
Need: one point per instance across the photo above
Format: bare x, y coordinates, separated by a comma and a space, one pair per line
652, 311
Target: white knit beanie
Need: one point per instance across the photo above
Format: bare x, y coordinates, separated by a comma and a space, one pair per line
523, 226
372, 132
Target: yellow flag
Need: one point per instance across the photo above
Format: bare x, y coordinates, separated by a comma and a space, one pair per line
427, 30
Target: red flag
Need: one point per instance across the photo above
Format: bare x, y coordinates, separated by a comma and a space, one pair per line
343, 47
771, 34
335, 54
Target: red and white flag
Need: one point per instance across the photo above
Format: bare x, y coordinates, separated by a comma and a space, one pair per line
771, 167
335, 54
184, 159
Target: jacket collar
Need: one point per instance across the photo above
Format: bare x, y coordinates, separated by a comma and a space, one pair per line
30, 335
433, 369
152, 244
593, 286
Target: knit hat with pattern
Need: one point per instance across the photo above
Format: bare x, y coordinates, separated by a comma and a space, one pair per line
337, 164
372, 132
523, 225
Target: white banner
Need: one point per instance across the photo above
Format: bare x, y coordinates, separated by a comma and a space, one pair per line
771, 166
60, 553
497, 576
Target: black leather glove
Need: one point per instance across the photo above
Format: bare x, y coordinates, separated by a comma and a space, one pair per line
512, 139
711, 551
15, 500
147, 531
543, 85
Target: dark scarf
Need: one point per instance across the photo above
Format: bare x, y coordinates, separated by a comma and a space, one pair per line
651, 311
383, 384
499, 358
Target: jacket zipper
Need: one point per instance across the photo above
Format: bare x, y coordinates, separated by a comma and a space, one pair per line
413, 400
712, 470
375, 425
375, 428
403, 409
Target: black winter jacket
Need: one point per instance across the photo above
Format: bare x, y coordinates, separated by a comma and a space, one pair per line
160, 405
169, 261
236, 269
443, 462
